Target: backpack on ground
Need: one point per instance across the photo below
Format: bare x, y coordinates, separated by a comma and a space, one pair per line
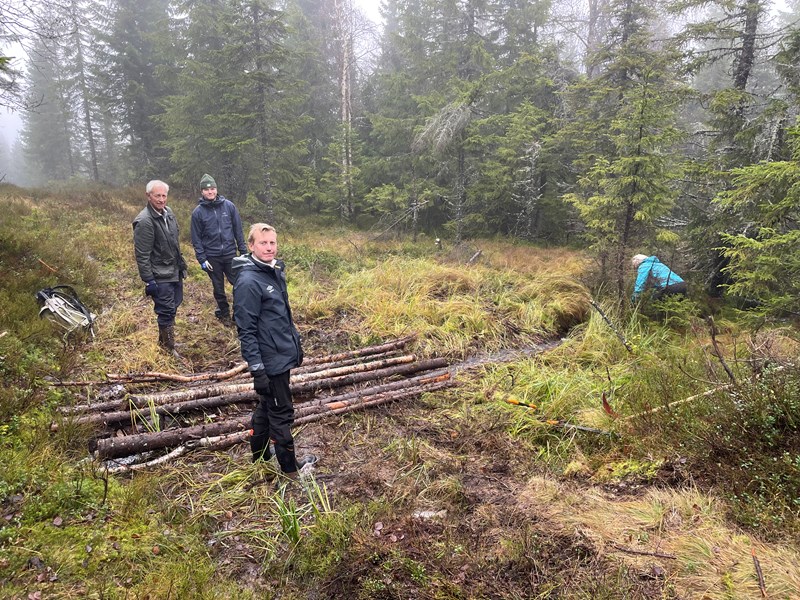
61, 305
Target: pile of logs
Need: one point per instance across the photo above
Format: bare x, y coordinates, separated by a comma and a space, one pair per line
323, 387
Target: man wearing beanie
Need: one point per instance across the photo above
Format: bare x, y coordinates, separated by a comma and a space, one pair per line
217, 236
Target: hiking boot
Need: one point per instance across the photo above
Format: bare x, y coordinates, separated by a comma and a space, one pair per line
226, 320
166, 339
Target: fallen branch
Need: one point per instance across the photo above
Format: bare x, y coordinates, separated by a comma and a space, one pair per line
681, 401
642, 552
613, 327
717, 352
762, 585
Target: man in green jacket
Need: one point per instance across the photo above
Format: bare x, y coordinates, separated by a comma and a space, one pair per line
158, 257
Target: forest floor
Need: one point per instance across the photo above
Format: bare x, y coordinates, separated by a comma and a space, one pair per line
452, 495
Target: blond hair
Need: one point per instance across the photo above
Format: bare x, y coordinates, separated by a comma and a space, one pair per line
637, 260
251, 237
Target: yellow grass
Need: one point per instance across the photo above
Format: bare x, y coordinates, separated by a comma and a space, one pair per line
712, 561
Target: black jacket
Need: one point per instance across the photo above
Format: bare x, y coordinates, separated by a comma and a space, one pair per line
216, 229
267, 334
156, 245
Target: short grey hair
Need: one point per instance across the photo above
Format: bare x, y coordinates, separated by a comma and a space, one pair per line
255, 227
154, 183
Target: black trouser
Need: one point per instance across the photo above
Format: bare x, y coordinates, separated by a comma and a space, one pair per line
166, 301
672, 289
272, 420
222, 268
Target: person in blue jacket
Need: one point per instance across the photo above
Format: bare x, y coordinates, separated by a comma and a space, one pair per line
216, 237
651, 273
270, 344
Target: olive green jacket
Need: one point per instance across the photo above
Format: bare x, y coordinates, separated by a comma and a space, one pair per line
156, 246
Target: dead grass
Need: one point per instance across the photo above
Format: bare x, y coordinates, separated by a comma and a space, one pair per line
711, 559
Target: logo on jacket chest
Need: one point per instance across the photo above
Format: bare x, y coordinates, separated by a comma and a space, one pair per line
270, 289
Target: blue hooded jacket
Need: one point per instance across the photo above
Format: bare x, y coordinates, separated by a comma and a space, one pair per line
216, 229
653, 273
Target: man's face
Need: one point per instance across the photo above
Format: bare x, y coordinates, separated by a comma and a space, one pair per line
264, 245
209, 193
158, 197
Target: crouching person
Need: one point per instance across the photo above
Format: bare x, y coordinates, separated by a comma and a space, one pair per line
270, 344
651, 273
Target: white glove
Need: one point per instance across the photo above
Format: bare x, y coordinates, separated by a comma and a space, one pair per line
207, 266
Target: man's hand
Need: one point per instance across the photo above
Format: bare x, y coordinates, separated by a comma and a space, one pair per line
207, 266
151, 288
261, 382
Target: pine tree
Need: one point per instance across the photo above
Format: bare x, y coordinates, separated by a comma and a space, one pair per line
626, 149
764, 259
49, 130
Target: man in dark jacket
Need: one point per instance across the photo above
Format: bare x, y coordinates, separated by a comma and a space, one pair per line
270, 344
216, 236
158, 257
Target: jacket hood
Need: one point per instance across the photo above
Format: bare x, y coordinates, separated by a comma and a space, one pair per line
215, 202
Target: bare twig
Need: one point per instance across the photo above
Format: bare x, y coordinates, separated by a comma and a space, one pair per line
681, 401
48, 267
761, 583
642, 552
613, 327
717, 352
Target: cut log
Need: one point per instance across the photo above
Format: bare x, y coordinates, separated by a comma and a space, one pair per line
393, 345
125, 446
150, 377
336, 382
141, 442
219, 442
354, 404
306, 408
180, 408
357, 368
